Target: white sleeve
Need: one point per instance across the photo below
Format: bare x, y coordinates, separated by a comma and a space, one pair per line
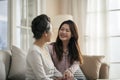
35, 61
57, 73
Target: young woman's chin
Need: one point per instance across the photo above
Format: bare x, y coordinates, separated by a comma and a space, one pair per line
48, 40
64, 39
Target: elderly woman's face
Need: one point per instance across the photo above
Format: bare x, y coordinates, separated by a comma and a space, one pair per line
49, 34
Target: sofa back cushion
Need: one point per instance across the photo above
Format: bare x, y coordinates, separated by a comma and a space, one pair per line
18, 64
2, 69
91, 66
4, 63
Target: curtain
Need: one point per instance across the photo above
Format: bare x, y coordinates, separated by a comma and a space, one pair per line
77, 8
96, 28
91, 18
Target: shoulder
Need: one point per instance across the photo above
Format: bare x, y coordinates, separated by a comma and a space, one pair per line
34, 51
34, 48
50, 45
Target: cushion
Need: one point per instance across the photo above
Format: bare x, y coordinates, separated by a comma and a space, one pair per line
2, 69
91, 66
17, 70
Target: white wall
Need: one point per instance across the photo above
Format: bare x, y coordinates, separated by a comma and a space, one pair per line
53, 7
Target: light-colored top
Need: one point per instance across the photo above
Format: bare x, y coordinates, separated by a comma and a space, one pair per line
108, 79
64, 64
40, 65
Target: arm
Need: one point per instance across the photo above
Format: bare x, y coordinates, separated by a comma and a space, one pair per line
50, 50
35, 60
73, 68
69, 73
57, 73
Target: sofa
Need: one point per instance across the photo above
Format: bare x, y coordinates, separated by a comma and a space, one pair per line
12, 65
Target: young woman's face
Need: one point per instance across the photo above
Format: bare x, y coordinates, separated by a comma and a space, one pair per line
64, 33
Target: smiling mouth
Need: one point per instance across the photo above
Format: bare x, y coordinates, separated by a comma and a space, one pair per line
62, 36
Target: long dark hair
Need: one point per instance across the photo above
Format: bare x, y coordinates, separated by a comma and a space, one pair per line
73, 46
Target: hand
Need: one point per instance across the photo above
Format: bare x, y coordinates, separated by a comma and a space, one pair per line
68, 78
67, 74
58, 78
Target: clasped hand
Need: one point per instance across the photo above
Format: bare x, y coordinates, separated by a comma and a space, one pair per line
68, 75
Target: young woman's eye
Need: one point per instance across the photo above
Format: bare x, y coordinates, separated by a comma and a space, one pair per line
61, 29
67, 30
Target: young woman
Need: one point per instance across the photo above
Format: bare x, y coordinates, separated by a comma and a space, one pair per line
39, 62
65, 51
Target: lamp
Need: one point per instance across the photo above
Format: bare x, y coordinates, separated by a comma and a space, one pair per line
56, 21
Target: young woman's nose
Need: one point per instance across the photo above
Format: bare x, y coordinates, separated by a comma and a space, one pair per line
64, 31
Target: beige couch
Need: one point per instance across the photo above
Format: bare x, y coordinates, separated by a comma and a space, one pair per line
12, 65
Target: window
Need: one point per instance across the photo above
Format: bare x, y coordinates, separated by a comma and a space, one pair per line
95, 34
102, 35
3, 24
114, 37
26, 10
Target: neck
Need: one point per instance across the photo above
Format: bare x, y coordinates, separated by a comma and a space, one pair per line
40, 42
65, 45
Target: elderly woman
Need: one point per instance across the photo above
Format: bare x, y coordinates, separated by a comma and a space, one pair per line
39, 62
